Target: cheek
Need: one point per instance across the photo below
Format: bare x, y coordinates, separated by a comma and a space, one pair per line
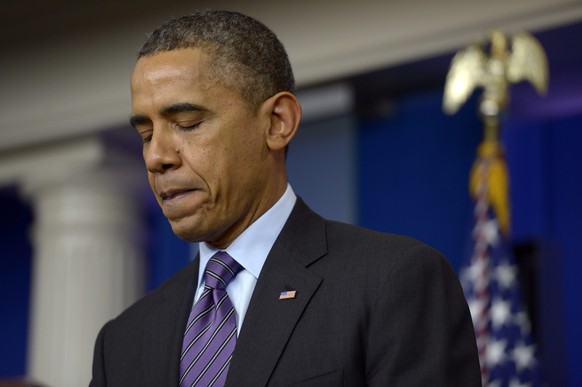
198, 160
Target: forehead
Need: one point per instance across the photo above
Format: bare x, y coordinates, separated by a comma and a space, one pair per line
170, 77
185, 64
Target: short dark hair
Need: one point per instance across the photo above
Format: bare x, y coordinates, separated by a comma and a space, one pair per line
244, 54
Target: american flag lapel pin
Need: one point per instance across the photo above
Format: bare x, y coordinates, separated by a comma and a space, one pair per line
287, 294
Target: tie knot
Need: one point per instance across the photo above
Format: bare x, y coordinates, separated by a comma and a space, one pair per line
220, 270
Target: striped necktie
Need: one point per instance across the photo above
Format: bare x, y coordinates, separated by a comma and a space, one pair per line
210, 334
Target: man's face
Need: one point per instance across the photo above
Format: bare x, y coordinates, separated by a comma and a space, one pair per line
204, 147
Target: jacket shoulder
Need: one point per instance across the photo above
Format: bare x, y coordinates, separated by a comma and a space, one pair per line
173, 287
380, 246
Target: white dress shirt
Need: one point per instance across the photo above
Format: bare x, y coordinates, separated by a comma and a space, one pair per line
250, 250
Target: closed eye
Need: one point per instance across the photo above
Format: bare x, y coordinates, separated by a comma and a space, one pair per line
187, 127
145, 137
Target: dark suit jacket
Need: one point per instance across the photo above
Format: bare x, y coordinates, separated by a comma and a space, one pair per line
370, 309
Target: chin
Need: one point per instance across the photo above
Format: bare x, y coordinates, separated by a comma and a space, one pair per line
185, 231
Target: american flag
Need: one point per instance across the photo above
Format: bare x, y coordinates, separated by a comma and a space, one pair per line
287, 294
507, 353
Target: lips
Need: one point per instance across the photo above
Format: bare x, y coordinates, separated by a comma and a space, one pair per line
174, 193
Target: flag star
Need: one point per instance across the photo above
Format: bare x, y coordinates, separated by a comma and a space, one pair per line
495, 352
516, 383
476, 308
491, 232
505, 274
500, 312
474, 274
523, 355
493, 383
522, 320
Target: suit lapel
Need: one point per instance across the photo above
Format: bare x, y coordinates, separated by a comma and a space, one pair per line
163, 329
269, 321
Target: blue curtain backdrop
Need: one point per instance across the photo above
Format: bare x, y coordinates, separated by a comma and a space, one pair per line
413, 172
545, 161
167, 253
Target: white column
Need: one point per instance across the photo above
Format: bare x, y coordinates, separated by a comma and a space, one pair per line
88, 263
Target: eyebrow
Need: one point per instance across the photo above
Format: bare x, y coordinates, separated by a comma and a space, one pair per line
181, 107
134, 121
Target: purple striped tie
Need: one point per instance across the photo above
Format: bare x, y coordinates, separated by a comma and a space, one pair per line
210, 335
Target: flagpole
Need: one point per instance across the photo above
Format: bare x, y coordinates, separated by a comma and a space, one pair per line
507, 353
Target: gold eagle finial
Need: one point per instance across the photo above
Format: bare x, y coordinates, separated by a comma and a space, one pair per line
472, 68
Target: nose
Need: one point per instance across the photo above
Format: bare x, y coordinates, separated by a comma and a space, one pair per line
160, 153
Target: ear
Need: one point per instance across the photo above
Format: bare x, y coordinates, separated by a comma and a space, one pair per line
285, 113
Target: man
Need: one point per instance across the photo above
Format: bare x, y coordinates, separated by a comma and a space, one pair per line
308, 302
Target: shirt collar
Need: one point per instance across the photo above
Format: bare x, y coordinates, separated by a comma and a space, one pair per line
251, 248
